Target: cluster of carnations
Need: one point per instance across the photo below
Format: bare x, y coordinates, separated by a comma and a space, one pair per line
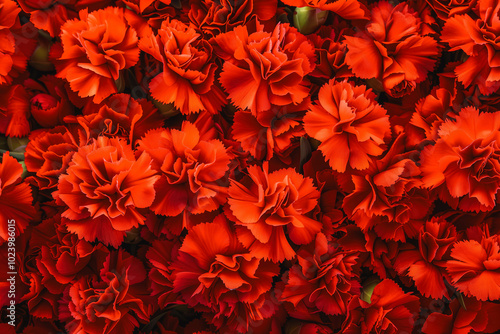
250, 166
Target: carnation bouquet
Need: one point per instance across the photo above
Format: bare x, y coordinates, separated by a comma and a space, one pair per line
249, 166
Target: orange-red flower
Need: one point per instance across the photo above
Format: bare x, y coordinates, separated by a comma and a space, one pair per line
193, 172
15, 199
464, 163
426, 264
264, 204
95, 49
14, 111
103, 189
323, 279
215, 17
188, 77
475, 268
350, 124
111, 304
477, 38
263, 68
392, 49
215, 273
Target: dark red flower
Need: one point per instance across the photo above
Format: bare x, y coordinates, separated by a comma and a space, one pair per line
324, 278
389, 311
215, 273
111, 304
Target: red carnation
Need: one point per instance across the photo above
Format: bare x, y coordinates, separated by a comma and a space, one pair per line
263, 68
392, 49
188, 76
475, 268
323, 279
350, 124
93, 54
193, 171
215, 273
464, 164
103, 188
265, 205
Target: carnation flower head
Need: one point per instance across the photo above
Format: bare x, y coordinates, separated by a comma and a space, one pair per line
104, 189
96, 47
265, 205
188, 76
349, 123
265, 68
475, 35
192, 172
464, 164
392, 49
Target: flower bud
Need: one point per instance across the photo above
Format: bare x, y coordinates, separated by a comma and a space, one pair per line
17, 144
307, 19
368, 287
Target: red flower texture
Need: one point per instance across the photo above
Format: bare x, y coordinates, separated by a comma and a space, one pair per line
15, 45
14, 111
193, 172
215, 273
263, 204
118, 116
15, 198
387, 196
103, 189
349, 123
330, 53
215, 17
324, 278
477, 38
348, 9
188, 77
474, 268
474, 317
50, 15
392, 49
48, 154
390, 311
426, 264
109, 305
448, 8
464, 163
161, 256
94, 54
272, 132
263, 68
65, 258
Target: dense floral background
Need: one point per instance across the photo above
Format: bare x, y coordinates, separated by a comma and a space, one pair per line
250, 166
